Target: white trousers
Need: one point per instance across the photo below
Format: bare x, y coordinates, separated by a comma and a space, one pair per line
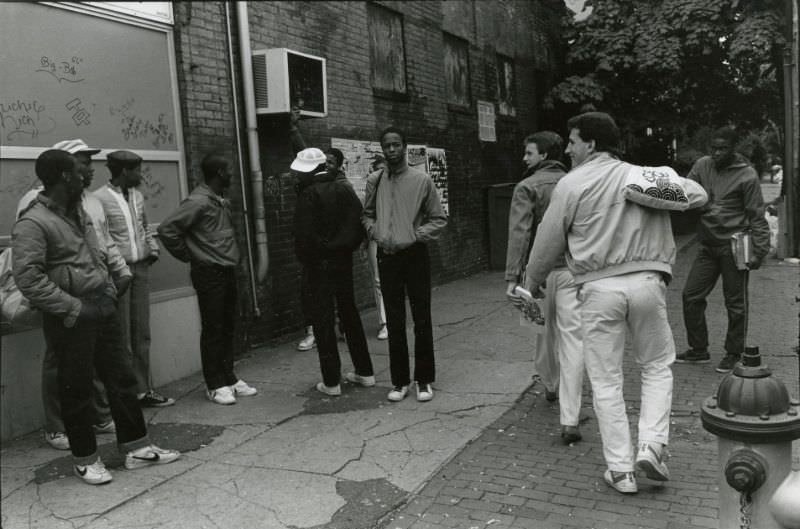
633, 303
372, 260
558, 357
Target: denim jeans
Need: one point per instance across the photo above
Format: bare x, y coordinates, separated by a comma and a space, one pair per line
631, 305
81, 350
332, 279
134, 315
216, 296
408, 272
710, 263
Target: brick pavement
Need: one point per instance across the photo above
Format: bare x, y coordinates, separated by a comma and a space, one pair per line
518, 475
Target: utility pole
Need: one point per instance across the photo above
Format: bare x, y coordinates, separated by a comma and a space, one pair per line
791, 135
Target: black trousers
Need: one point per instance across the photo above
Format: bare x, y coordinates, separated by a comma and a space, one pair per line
81, 350
711, 263
216, 296
408, 272
331, 281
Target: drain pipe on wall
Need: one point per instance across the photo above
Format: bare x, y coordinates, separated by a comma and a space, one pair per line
242, 180
257, 178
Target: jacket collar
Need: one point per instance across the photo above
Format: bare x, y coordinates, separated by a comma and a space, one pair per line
204, 190
548, 164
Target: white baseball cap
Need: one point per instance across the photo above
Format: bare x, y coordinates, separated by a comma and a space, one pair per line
75, 146
307, 160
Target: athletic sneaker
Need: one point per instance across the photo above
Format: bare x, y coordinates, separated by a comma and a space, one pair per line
150, 455
333, 391
222, 395
94, 474
398, 393
243, 389
570, 434
309, 342
354, 378
57, 440
151, 399
424, 392
649, 460
693, 356
624, 482
727, 363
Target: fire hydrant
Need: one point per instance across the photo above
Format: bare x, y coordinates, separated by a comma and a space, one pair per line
755, 422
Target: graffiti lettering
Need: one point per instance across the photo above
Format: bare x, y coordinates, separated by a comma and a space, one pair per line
79, 113
63, 69
26, 118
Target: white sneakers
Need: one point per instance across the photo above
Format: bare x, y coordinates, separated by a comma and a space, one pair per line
57, 440
243, 389
226, 395
307, 343
354, 378
150, 455
624, 482
333, 391
383, 333
398, 393
94, 474
97, 474
650, 460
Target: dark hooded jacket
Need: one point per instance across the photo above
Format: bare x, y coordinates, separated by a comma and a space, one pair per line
327, 219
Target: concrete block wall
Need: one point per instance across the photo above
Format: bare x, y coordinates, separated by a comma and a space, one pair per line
338, 31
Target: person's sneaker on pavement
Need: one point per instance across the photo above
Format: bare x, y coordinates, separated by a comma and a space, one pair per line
649, 460
309, 342
94, 473
624, 482
693, 356
398, 393
355, 378
105, 427
550, 396
383, 333
152, 399
333, 391
57, 440
570, 434
727, 363
148, 456
243, 389
424, 392
222, 395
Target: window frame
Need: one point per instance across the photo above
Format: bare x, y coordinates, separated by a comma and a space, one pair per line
399, 86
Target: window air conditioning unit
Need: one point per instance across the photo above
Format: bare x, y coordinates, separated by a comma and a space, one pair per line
285, 78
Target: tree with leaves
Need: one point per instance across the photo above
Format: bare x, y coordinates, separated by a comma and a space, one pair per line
673, 65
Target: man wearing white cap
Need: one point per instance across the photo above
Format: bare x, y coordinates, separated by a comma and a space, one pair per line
54, 426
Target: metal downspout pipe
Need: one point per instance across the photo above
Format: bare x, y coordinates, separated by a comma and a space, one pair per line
237, 124
256, 178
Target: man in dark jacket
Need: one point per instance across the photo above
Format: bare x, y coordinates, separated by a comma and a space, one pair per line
327, 229
735, 204
64, 270
558, 354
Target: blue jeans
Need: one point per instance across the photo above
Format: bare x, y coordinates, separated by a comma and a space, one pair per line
87, 347
710, 263
216, 295
134, 315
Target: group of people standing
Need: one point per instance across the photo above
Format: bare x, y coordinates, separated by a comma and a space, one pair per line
600, 263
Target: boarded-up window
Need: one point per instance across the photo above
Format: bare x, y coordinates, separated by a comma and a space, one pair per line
456, 70
386, 49
506, 100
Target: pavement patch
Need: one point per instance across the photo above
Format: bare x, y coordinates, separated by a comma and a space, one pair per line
182, 437
353, 398
366, 501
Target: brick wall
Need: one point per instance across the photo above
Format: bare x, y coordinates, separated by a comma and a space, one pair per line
338, 31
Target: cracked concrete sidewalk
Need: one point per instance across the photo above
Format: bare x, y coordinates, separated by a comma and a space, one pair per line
290, 457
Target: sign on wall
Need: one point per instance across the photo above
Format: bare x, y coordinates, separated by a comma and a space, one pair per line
364, 157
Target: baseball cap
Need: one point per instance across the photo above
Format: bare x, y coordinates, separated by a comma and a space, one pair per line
307, 160
75, 146
123, 159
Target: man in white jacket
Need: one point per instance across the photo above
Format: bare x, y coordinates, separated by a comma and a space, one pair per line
620, 254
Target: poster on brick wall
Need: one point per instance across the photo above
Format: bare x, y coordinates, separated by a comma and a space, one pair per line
360, 159
437, 170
